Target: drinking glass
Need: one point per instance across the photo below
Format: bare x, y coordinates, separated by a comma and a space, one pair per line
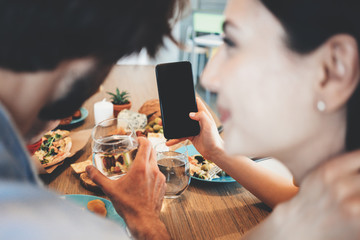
114, 147
174, 164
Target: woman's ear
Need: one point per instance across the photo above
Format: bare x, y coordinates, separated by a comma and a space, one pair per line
341, 71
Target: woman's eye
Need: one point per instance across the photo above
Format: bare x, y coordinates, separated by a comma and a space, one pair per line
228, 42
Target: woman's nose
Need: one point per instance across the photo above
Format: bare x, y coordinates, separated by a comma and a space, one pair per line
210, 78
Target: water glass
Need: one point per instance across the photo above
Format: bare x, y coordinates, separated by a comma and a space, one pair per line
174, 164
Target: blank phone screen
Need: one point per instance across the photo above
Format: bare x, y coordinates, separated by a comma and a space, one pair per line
177, 99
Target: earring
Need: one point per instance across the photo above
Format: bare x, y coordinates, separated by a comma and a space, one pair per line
321, 106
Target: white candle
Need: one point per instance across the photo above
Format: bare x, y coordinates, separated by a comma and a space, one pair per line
103, 110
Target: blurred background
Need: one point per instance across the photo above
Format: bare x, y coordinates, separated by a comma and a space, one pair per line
199, 31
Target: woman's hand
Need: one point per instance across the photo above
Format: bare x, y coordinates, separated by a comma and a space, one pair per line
208, 142
326, 207
138, 195
328, 203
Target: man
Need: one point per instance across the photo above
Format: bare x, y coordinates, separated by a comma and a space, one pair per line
53, 56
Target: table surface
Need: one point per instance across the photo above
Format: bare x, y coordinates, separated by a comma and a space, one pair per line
204, 211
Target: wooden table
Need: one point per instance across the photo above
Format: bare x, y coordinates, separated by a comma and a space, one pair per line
204, 211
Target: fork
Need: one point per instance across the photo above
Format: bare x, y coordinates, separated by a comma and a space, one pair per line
213, 171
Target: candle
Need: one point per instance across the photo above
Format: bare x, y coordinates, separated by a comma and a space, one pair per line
103, 110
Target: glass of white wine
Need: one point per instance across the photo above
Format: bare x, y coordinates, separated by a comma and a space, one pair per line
114, 147
173, 163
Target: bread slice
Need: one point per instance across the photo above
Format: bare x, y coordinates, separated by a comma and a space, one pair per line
88, 183
81, 166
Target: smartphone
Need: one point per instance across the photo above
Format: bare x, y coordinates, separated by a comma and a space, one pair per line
177, 99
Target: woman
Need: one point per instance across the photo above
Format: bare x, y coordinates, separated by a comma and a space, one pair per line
287, 80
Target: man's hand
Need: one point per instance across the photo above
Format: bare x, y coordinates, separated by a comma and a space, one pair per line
208, 142
326, 207
138, 195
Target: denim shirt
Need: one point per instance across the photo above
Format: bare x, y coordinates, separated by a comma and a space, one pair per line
14, 159
29, 211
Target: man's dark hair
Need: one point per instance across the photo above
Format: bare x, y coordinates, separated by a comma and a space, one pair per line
309, 23
40, 34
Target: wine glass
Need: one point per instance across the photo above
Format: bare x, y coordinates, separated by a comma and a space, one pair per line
114, 147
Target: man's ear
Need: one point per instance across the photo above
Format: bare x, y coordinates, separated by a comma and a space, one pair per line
341, 71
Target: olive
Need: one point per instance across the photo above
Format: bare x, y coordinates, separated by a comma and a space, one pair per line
199, 158
157, 120
156, 127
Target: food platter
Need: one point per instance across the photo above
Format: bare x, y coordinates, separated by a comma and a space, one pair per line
55, 147
223, 179
84, 115
82, 201
191, 152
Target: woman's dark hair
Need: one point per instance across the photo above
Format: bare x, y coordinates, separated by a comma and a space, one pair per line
309, 23
40, 34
